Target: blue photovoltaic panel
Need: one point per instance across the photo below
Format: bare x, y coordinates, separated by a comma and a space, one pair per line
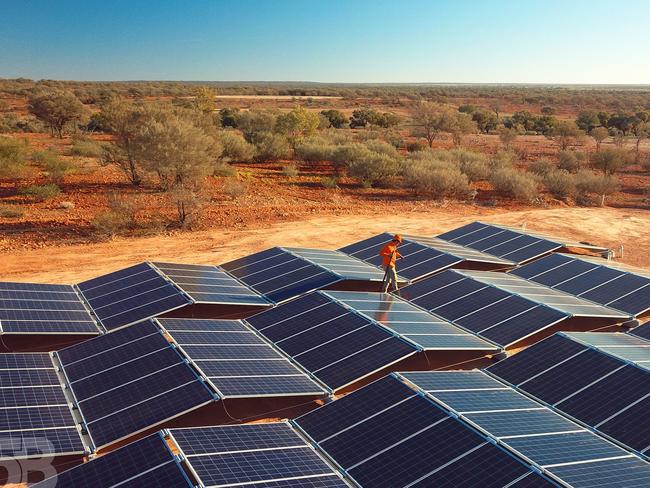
623, 473
506, 243
334, 344
126, 387
280, 275
387, 434
642, 331
131, 295
598, 280
35, 418
30, 308
147, 462
252, 454
339, 263
210, 284
413, 324
498, 315
267, 374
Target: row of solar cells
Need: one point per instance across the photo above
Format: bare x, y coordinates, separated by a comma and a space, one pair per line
421, 429
148, 290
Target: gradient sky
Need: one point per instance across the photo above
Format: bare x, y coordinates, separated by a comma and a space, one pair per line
479, 41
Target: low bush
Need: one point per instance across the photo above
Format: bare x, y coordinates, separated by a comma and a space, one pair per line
235, 188
290, 170
374, 170
12, 157
502, 159
329, 182
314, 151
416, 146
224, 169
381, 147
120, 216
542, 167
436, 180
589, 185
40, 193
11, 212
54, 166
571, 161
560, 183
519, 185
235, 147
271, 147
66, 205
85, 148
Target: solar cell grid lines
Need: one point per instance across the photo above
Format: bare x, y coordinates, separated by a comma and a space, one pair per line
280, 275
244, 365
642, 331
547, 440
210, 284
333, 343
130, 380
388, 434
35, 418
256, 455
147, 462
411, 323
30, 308
600, 281
339, 263
131, 295
590, 378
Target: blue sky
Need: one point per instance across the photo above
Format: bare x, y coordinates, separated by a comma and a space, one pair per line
490, 41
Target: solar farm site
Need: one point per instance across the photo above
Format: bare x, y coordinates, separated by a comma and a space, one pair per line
507, 358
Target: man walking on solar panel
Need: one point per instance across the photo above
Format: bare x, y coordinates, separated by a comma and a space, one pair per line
390, 254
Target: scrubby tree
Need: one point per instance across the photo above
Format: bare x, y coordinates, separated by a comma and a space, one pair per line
547, 110
228, 117
641, 131
485, 121
587, 120
235, 147
57, 109
270, 146
371, 118
565, 133
204, 99
432, 119
297, 124
609, 161
507, 136
252, 122
599, 134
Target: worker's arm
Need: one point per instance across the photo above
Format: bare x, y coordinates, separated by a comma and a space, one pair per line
385, 251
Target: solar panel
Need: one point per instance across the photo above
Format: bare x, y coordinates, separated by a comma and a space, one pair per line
131, 295
420, 259
387, 434
591, 382
339, 263
509, 243
597, 280
268, 374
547, 440
333, 343
30, 308
210, 284
125, 382
253, 454
280, 275
498, 315
411, 323
642, 331
147, 462
35, 419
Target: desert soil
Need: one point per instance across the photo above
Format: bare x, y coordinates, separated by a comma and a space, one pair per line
70, 264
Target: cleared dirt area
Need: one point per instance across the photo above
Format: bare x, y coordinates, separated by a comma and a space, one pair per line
70, 264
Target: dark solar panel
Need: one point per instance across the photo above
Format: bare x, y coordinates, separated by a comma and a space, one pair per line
619, 473
131, 295
642, 331
630, 426
125, 387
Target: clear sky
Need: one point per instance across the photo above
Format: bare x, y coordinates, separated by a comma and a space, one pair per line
480, 41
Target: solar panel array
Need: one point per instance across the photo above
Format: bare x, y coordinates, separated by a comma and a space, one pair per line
596, 280
35, 418
603, 391
280, 275
333, 343
210, 284
43, 309
254, 455
642, 331
389, 435
147, 462
128, 381
411, 323
236, 361
131, 295
420, 260
571, 454
507, 243
492, 313
339, 263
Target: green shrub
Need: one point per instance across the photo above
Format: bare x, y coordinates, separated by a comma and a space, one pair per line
55, 167
344, 156
381, 147
235, 147
503, 159
374, 170
542, 167
517, 184
40, 193
85, 148
609, 161
235, 188
11, 212
329, 182
560, 183
436, 180
571, 161
224, 169
416, 146
314, 151
589, 184
12, 157
290, 170
271, 147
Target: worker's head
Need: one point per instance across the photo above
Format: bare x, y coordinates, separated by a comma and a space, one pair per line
397, 239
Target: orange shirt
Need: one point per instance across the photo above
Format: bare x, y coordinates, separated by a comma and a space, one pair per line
390, 254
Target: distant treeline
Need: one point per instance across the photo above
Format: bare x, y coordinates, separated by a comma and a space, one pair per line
576, 97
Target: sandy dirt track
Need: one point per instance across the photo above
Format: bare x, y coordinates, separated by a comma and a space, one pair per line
70, 264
